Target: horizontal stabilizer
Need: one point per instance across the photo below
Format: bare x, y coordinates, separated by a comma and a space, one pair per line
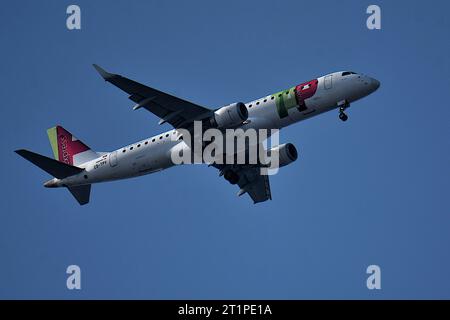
57, 169
81, 193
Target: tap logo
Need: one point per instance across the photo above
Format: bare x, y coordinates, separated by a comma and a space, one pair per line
65, 146
64, 152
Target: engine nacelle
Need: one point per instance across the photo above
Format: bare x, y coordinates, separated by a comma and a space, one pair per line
230, 116
287, 154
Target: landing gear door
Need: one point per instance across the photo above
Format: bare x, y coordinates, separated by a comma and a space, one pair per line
113, 159
328, 82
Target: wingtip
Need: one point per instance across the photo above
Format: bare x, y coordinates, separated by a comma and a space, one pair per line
105, 75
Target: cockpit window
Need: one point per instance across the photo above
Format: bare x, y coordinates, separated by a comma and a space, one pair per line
347, 73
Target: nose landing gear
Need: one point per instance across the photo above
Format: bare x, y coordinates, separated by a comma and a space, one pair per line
342, 115
342, 106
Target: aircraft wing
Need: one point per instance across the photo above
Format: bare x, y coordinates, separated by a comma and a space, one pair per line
251, 181
176, 111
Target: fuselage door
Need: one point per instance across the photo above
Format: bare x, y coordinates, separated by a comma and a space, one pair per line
113, 159
328, 82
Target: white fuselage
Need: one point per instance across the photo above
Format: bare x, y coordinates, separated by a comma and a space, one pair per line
154, 154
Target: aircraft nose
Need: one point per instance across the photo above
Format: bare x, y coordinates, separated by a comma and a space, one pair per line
375, 84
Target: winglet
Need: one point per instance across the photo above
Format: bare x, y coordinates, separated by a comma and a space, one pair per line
105, 75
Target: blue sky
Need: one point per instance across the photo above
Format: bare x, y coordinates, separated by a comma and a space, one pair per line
373, 190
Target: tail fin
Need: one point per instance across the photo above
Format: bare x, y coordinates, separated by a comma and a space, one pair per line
59, 170
68, 149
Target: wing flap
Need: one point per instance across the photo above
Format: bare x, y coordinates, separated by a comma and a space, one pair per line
251, 181
257, 186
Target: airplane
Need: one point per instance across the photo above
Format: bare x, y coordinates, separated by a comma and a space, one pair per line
76, 166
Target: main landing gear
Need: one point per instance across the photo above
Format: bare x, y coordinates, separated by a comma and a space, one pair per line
342, 106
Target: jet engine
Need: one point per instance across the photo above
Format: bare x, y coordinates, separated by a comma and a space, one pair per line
287, 154
229, 116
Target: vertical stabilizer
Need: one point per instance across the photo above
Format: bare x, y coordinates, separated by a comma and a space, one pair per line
68, 149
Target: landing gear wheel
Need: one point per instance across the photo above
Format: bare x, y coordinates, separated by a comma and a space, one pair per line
343, 116
342, 106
